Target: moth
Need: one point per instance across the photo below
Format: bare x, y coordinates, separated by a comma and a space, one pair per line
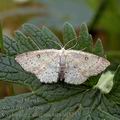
72, 66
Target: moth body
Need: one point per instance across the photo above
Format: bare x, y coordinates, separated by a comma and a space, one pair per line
62, 65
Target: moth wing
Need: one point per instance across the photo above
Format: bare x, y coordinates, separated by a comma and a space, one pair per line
82, 65
43, 63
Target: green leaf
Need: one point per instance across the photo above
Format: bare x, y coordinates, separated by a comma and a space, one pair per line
1, 39
51, 101
10, 46
98, 48
116, 88
85, 40
58, 102
51, 39
11, 71
20, 44
44, 38
25, 44
70, 37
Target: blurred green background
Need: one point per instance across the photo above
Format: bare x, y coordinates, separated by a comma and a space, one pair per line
101, 16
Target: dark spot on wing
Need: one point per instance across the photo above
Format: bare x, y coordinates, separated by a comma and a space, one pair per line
26, 53
38, 55
75, 66
86, 58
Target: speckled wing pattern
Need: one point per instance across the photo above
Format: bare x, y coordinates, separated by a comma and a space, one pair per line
43, 63
82, 65
78, 65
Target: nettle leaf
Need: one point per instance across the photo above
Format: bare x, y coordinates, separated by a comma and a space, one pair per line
69, 36
51, 38
85, 40
25, 44
10, 46
44, 38
11, 71
58, 102
82, 42
115, 92
98, 48
53, 101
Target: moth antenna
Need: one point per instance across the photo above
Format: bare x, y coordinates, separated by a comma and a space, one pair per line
83, 49
73, 45
72, 40
57, 44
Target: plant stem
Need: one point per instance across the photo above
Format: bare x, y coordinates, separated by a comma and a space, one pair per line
98, 14
1, 39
